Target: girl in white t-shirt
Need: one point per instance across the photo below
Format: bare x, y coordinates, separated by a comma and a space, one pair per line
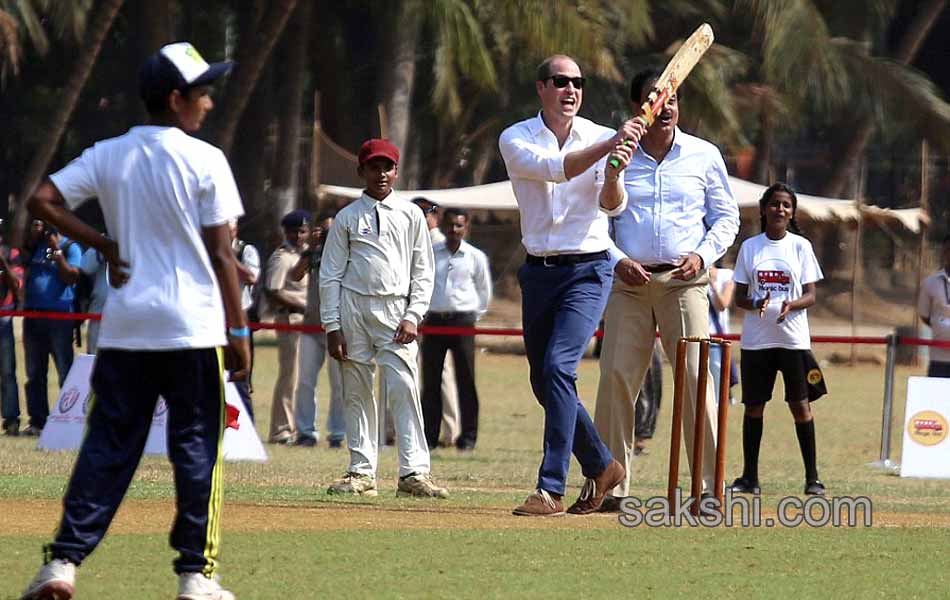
775, 280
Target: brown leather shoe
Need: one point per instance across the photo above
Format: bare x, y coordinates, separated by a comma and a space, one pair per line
594, 490
540, 504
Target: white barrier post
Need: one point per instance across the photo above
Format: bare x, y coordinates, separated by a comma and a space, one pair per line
884, 462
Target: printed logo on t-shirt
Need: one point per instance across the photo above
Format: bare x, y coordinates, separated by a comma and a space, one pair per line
774, 281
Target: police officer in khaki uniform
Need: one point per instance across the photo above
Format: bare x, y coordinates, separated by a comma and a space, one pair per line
289, 301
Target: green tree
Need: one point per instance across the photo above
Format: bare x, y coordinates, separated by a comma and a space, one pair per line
101, 22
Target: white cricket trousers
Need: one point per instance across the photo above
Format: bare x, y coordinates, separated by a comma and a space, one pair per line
369, 324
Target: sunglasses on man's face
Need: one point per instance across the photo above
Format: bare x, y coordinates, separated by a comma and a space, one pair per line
561, 81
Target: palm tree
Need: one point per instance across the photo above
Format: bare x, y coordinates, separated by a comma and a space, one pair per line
901, 83
68, 18
88, 53
831, 73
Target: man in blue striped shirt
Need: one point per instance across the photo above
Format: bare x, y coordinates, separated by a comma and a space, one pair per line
679, 219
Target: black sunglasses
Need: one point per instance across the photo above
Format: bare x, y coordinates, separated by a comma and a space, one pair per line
561, 81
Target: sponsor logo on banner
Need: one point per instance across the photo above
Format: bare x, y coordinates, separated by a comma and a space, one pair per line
68, 400
927, 428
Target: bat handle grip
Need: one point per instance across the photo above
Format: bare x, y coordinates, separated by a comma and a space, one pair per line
613, 162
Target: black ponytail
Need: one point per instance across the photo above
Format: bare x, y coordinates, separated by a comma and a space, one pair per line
767, 195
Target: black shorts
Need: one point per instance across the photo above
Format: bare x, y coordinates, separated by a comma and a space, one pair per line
803, 379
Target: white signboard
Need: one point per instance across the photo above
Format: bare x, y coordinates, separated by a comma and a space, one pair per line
926, 450
67, 420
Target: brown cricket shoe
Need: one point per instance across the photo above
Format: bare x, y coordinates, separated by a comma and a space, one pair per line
540, 504
594, 490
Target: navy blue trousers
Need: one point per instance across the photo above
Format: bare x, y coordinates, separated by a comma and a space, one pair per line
127, 385
561, 307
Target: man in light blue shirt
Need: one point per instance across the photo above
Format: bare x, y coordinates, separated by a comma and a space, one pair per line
680, 218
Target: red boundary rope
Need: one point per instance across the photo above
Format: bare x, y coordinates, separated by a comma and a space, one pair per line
495, 331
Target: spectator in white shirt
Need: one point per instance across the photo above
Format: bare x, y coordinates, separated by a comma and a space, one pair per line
460, 297
450, 429
679, 219
565, 187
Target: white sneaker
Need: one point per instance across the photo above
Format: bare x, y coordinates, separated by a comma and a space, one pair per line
195, 586
354, 483
56, 580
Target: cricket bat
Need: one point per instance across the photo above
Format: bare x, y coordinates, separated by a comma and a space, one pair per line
674, 74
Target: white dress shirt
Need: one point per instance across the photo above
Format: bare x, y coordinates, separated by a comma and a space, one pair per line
462, 280
377, 248
558, 215
671, 204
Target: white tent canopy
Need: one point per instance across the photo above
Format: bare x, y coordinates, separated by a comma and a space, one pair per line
499, 196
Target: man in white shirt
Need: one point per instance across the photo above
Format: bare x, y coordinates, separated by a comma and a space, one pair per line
679, 219
933, 306
375, 284
163, 194
565, 188
450, 429
460, 297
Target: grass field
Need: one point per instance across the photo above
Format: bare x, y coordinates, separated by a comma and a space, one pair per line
285, 538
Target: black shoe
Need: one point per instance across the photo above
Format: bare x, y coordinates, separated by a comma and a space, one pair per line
465, 446
305, 441
611, 504
814, 488
336, 444
32, 431
744, 486
11, 428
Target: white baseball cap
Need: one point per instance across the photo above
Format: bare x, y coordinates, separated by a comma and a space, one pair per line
177, 66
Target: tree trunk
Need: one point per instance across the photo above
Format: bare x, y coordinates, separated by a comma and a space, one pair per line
862, 132
763, 153
252, 56
153, 24
287, 168
88, 53
400, 82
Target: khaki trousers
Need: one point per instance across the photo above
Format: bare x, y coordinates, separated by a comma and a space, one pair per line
451, 422
678, 308
282, 408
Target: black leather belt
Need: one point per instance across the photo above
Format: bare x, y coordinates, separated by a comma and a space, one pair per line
563, 260
446, 316
658, 268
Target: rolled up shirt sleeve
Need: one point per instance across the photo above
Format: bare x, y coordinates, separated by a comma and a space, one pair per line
722, 213
332, 267
482, 283
525, 159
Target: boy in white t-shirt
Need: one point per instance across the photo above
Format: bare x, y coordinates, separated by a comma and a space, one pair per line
167, 199
775, 280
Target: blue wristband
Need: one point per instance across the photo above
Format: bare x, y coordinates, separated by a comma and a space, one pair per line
239, 331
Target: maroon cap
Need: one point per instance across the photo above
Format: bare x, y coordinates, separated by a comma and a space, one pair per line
376, 148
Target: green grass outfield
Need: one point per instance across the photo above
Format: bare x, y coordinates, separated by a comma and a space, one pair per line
284, 538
